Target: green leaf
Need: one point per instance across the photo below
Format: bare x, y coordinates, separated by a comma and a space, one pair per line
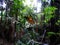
50, 33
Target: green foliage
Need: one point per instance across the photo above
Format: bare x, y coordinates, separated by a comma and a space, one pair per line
49, 13
19, 11
44, 0
58, 22
49, 10
16, 7
53, 0
50, 33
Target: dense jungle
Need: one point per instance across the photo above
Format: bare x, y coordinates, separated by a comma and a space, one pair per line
29, 22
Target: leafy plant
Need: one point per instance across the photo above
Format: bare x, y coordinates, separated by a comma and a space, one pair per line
49, 13
50, 33
58, 22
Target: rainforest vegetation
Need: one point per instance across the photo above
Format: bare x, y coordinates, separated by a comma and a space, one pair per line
30, 23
